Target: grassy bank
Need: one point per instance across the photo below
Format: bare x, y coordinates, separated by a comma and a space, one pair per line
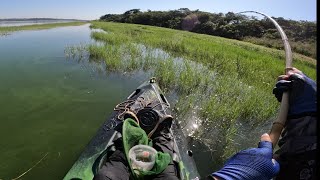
307, 48
227, 81
6, 30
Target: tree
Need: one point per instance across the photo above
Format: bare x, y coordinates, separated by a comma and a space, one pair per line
131, 12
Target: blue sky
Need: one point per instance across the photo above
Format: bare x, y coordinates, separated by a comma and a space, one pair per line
86, 9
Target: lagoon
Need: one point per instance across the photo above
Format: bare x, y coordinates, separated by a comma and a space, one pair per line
50, 104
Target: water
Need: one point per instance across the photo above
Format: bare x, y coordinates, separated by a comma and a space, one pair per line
29, 22
50, 104
54, 105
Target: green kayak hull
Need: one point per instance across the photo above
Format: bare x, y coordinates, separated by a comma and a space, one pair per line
95, 153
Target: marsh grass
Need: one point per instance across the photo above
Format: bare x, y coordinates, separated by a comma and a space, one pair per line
229, 80
78, 52
6, 30
165, 71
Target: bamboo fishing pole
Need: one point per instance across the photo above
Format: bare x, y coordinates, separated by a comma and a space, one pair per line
279, 123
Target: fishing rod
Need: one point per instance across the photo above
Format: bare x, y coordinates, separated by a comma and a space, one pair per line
279, 123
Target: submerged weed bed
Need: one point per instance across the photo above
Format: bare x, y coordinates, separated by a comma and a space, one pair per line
226, 81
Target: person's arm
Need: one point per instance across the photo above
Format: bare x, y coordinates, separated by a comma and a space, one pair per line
250, 164
302, 90
297, 153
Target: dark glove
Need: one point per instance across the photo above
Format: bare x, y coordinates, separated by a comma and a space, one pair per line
250, 164
302, 98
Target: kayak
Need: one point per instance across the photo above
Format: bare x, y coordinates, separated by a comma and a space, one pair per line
101, 145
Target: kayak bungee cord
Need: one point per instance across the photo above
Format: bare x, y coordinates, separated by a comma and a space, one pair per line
279, 123
125, 108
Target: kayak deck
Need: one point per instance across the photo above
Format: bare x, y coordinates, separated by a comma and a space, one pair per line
96, 151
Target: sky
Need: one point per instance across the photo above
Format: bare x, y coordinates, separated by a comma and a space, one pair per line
93, 9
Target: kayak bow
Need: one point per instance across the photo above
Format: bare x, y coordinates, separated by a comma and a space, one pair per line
101, 145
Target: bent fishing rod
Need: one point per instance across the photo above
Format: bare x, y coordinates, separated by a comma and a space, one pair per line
279, 123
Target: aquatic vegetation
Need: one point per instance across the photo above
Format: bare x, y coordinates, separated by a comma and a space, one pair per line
165, 72
78, 52
229, 80
109, 38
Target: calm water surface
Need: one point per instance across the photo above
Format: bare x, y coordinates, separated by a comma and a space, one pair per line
29, 22
50, 104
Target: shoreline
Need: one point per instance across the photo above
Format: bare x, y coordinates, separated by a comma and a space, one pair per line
5, 30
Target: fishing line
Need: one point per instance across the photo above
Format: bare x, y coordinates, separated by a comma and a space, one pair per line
31, 167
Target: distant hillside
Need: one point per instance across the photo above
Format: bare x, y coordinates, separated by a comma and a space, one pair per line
302, 34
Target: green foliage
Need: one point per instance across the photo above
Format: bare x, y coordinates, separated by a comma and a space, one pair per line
303, 34
233, 63
165, 71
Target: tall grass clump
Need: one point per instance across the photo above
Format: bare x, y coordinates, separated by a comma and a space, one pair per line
113, 56
109, 38
190, 77
165, 71
97, 52
76, 52
134, 56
